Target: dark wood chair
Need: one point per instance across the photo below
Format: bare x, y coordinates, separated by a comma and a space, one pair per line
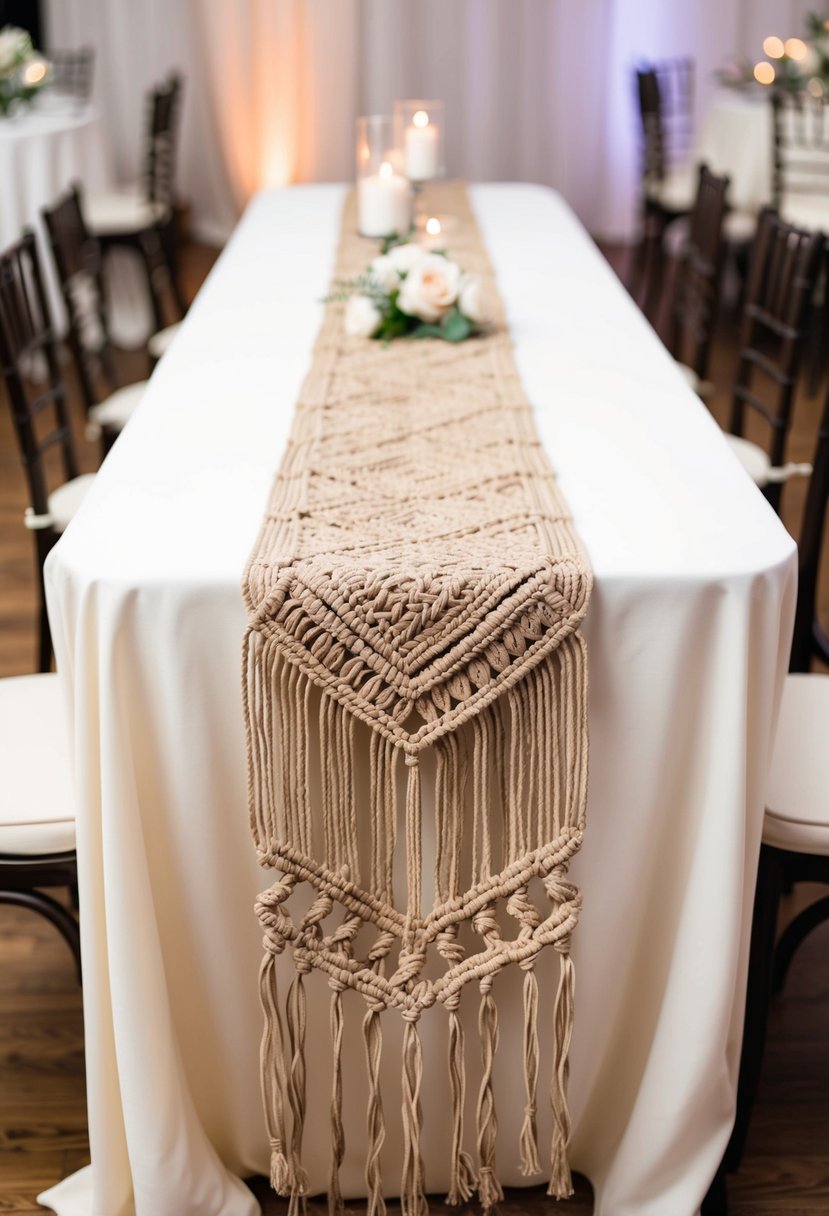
665, 95
143, 218
71, 75
78, 258
696, 288
37, 396
783, 270
800, 191
37, 819
795, 846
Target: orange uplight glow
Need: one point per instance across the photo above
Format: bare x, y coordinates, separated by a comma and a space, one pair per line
796, 49
773, 47
764, 73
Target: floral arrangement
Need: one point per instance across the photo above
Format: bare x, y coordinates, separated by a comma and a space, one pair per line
411, 291
22, 70
795, 65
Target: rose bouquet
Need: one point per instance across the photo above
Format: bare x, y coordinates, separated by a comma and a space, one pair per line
22, 70
413, 292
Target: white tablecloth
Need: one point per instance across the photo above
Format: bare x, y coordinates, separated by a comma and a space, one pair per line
41, 153
735, 138
688, 632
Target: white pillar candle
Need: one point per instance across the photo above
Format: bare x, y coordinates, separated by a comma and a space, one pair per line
420, 148
384, 203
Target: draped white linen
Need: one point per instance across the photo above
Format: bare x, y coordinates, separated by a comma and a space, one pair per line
536, 90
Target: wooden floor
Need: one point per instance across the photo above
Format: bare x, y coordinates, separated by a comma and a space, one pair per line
43, 1132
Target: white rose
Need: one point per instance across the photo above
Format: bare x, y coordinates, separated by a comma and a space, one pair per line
471, 299
404, 257
430, 288
384, 273
362, 317
15, 45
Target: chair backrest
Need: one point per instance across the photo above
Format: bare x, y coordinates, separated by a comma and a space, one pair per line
161, 141
665, 93
71, 74
696, 288
79, 261
781, 281
801, 145
809, 638
31, 371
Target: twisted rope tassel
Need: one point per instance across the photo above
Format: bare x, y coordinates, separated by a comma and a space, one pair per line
489, 1188
521, 906
296, 1087
335, 1195
560, 890
462, 1181
412, 1197
561, 1184
528, 1143
272, 1071
373, 1035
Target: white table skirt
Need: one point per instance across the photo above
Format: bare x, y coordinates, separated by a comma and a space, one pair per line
688, 634
41, 154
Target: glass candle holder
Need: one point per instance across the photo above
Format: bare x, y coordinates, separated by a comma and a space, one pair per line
418, 126
384, 196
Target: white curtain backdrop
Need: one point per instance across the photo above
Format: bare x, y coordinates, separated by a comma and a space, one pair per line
535, 90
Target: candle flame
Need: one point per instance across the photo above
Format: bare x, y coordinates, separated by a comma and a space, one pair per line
34, 72
764, 73
773, 47
386, 169
420, 118
433, 226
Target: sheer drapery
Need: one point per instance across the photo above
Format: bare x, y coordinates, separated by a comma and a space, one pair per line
536, 90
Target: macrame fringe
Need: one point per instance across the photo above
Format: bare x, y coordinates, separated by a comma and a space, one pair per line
335, 1196
272, 1072
296, 1092
528, 1143
412, 1196
499, 767
489, 1188
462, 1182
561, 1184
373, 1035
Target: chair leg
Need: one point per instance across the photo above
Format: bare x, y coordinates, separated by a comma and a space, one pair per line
654, 265
151, 252
764, 925
715, 1202
793, 935
169, 245
44, 645
64, 921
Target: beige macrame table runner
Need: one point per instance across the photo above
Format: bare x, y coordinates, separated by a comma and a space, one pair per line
414, 599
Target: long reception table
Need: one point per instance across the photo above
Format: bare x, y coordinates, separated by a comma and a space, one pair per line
688, 634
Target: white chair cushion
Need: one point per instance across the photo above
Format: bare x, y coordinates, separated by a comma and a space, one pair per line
66, 499
115, 412
120, 211
36, 808
758, 466
739, 227
703, 388
159, 342
810, 211
797, 805
677, 191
